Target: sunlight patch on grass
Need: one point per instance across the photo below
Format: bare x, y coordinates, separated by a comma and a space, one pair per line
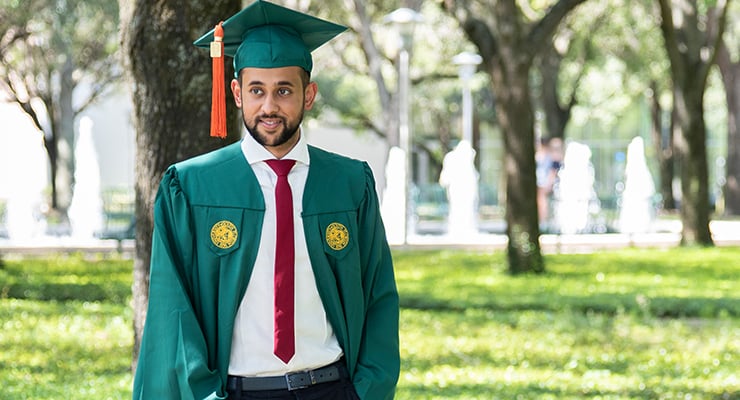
565, 355
66, 329
64, 350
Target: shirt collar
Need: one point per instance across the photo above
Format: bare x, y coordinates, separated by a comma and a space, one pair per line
255, 152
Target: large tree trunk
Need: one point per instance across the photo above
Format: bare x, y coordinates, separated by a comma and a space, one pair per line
691, 45
731, 77
517, 125
663, 145
172, 96
691, 135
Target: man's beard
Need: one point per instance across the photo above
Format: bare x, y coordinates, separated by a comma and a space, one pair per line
281, 137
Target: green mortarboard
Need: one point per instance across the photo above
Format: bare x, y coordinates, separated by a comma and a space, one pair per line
265, 35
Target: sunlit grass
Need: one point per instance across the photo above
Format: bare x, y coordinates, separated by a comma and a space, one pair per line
536, 354
631, 324
53, 346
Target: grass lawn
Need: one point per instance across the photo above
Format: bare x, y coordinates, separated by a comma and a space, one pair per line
630, 324
66, 329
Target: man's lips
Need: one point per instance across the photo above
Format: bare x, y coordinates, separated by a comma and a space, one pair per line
270, 122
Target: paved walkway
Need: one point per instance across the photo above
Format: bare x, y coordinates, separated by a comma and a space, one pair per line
667, 234
725, 233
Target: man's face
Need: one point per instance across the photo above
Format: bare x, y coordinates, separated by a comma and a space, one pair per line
273, 101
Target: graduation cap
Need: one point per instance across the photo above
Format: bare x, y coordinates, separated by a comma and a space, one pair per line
263, 35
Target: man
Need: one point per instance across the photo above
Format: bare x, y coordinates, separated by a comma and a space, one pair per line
246, 300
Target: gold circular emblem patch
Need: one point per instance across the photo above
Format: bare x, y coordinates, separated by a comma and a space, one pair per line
224, 234
337, 236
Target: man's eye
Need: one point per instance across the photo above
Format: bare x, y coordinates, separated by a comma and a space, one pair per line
255, 91
284, 92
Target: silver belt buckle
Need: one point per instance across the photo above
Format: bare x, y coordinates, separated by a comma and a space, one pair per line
297, 385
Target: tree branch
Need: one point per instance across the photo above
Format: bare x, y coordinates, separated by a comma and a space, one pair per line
717, 21
546, 26
476, 29
98, 90
13, 91
371, 52
670, 37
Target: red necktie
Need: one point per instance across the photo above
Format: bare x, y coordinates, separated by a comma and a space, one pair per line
284, 346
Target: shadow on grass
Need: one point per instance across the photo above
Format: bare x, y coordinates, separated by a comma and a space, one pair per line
66, 292
677, 284
487, 391
67, 279
508, 390
612, 304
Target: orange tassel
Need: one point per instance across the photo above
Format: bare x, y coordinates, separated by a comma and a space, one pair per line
218, 94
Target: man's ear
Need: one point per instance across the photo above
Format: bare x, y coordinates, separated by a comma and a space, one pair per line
236, 90
312, 89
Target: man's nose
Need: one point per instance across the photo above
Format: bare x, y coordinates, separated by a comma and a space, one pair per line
270, 106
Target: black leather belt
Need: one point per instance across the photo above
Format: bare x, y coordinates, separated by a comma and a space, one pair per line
291, 381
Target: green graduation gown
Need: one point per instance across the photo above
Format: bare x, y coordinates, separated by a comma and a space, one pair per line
208, 216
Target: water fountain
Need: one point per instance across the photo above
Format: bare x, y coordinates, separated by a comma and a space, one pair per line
86, 209
576, 200
392, 207
24, 219
460, 179
636, 212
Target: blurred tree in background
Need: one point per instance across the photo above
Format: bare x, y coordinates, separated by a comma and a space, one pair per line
57, 57
359, 82
509, 37
728, 60
693, 32
562, 64
622, 43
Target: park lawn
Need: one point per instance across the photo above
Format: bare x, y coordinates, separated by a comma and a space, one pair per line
629, 324
66, 330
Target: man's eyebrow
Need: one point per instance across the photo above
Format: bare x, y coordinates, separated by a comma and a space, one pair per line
280, 83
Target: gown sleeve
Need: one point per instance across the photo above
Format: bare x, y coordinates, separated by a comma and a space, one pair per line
378, 363
173, 360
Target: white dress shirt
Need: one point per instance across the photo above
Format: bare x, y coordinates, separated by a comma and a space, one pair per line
252, 344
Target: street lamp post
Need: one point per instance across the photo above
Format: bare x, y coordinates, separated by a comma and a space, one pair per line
467, 63
405, 19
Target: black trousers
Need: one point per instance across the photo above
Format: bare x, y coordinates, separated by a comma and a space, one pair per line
341, 389
337, 390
